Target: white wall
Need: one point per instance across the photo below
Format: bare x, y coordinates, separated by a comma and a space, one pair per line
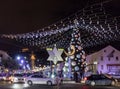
104, 52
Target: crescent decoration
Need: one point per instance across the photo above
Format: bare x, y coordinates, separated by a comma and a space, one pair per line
72, 52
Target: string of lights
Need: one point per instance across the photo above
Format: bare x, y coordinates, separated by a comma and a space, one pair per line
96, 27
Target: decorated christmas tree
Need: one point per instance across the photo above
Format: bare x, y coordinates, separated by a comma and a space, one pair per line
76, 53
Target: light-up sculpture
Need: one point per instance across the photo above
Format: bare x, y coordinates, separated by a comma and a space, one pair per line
54, 55
33, 60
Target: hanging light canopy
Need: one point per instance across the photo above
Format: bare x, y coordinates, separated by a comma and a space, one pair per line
96, 26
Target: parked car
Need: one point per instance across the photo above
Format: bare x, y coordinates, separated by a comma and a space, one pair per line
16, 78
115, 75
99, 79
40, 79
8, 77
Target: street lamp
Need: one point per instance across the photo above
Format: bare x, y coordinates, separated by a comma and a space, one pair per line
33, 60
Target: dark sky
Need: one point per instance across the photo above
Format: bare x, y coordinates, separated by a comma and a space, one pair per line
21, 16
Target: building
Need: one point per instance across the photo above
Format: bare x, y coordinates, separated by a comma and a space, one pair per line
3, 56
106, 60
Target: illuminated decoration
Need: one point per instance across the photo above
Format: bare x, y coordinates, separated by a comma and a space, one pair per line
72, 57
53, 76
18, 57
22, 61
32, 60
25, 49
23, 64
96, 26
66, 64
73, 63
67, 70
72, 52
55, 55
78, 61
76, 68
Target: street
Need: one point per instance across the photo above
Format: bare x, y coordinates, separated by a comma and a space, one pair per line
63, 86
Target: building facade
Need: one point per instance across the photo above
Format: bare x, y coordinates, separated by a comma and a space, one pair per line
106, 60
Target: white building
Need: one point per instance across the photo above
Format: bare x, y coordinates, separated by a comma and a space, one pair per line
104, 61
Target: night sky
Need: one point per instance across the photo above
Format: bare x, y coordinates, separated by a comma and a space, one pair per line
22, 16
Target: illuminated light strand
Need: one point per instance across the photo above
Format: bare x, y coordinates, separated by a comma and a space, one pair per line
93, 20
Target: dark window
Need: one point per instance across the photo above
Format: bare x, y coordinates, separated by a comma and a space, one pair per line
108, 58
18, 75
104, 50
117, 58
96, 77
103, 77
37, 76
101, 58
102, 67
1, 55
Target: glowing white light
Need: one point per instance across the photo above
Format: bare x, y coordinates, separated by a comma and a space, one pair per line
65, 75
25, 57
73, 63
66, 64
52, 76
66, 58
22, 61
23, 67
18, 57
64, 69
72, 57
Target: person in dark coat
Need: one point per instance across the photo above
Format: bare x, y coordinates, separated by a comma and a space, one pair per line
76, 76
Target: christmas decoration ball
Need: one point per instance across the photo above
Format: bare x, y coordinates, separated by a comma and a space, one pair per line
78, 55
72, 39
83, 52
79, 60
76, 46
79, 47
76, 68
72, 57
76, 35
75, 58
83, 56
73, 63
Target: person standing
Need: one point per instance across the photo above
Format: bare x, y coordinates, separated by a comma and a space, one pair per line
76, 76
